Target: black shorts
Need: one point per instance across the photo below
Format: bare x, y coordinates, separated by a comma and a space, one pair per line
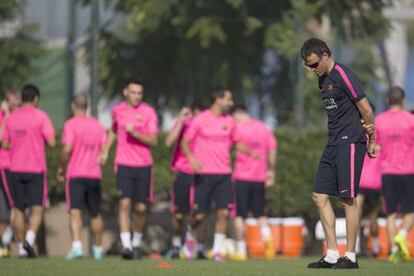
135, 183
398, 191
28, 189
6, 200
372, 198
181, 194
84, 193
250, 197
340, 170
212, 187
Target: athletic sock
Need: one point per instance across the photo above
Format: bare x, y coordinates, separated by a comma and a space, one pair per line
332, 256
176, 241
394, 249
375, 245
403, 233
30, 237
351, 256
77, 245
22, 251
98, 249
126, 240
7, 236
266, 232
137, 239
218, 242
241, 247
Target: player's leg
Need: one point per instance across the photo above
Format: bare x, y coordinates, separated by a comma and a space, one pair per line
19, 195
242, 208
75, 197
36, 192
223, 196
6, 213
325, 185
127, 189
93, 198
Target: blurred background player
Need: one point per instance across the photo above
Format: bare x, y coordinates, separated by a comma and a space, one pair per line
83, 140
252, 174
27, 131
135, 127
395, 135
342, 160
11, 102
211, 136
183, 187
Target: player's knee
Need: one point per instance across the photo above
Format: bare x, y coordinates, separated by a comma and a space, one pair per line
223, 213
125, 205
179, 217
200, 216
141, 208
319, 199
348, 202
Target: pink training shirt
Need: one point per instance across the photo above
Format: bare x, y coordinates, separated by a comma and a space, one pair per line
27, 130
212, 137
371, 173
130, 151
260, 139
180, 161
4, 153
87, 137
395, 134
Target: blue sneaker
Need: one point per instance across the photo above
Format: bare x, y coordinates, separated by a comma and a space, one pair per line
97, 254
75, 253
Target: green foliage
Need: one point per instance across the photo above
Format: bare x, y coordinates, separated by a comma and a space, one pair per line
298, 157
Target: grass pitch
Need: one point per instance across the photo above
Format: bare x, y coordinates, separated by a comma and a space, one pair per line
117, 266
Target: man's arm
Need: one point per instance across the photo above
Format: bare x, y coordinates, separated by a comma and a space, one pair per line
174, 134
107, 147
368, 124
271, 169
241, 147
194, 163
51, 142
149, 140
64, 159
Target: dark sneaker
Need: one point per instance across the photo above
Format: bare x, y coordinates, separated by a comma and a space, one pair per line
175, 253
136, 253
321, 264
29, 249
201, 255
127, 254
345, 263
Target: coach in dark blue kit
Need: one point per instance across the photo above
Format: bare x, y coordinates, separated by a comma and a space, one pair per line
350, 118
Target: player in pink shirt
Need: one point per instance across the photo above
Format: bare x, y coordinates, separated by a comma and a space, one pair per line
83, 140
183, 179
11, 102
135, 126
207, 144
252, 174
395, 135
27, 131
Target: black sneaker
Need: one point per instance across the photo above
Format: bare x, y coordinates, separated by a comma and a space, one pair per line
175, 253
29, 249
201, 255
321, 264
126, 254
136, 253
345, 263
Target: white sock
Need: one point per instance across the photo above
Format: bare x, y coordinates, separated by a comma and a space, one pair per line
7, 236
218, 242
266, 232
77, 245
403, 233
137, 239
22, 252
30, 237
176, 241
97, 249
394, 249
126, 240
241, 247
351, 256
332, 256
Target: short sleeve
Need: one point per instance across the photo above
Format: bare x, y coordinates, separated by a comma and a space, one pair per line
191, 132
68, 135
114, 125
350, 83
6, 131
234, 132
47, 128
152, 123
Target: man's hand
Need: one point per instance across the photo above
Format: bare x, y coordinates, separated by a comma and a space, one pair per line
195, 164
270, 178
60, 174
129, 128
103, 157
368, 128
371, 149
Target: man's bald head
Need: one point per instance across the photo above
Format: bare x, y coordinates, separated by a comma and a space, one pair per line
80, 101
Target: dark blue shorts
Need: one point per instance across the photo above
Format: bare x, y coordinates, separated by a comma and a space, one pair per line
181, 194
135, 183
340, 170
213, 187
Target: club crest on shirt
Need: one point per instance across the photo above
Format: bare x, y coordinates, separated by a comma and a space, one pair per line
139, 117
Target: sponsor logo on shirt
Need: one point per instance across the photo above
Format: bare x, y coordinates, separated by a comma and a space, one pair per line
20, 133
330, 104
344, 137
